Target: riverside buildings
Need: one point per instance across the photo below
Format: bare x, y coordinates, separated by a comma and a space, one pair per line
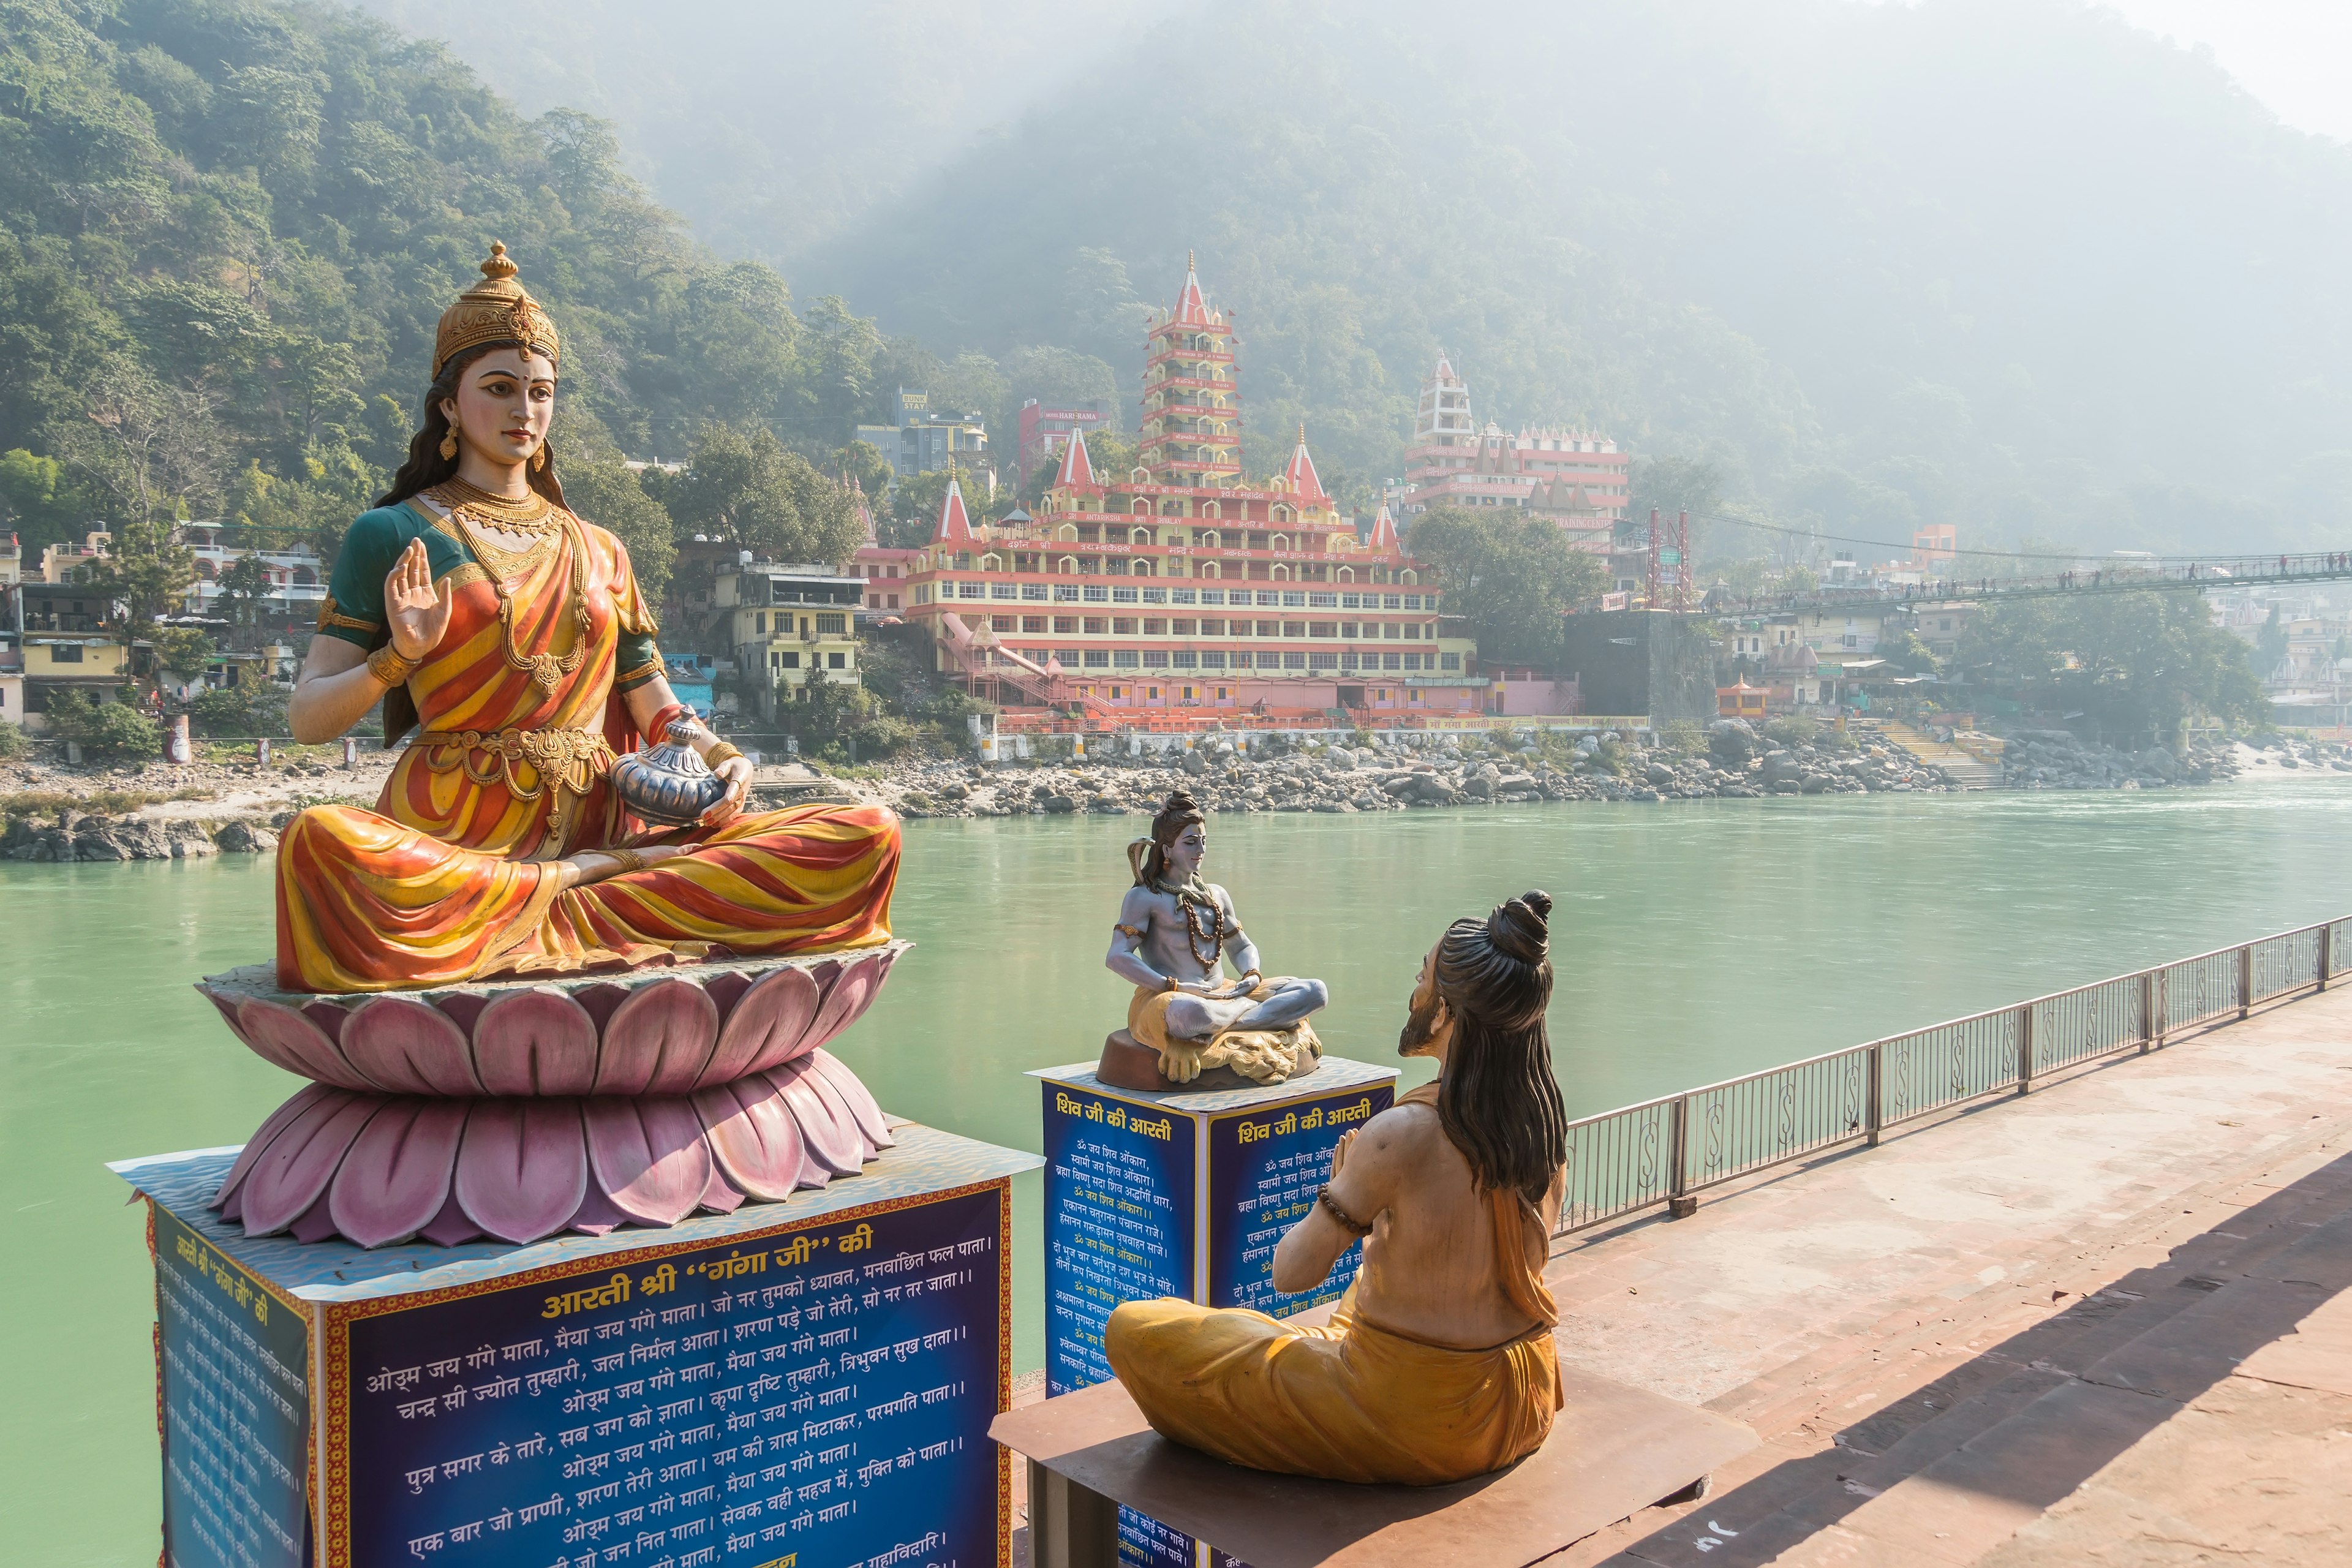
1184, 585
1576, 480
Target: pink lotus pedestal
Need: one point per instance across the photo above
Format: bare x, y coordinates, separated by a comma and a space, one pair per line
519, 1109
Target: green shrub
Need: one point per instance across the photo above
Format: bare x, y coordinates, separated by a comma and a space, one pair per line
1793, 730
1683, 737
223, 711
113, 732
13, 743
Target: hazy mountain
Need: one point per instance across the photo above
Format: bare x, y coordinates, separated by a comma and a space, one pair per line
772, 123
2006, 261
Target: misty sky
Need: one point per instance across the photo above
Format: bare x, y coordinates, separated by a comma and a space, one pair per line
2293, 55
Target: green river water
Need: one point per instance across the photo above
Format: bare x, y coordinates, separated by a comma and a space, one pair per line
1692, 941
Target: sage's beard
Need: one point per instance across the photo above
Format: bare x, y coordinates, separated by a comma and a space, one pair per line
1419, 1025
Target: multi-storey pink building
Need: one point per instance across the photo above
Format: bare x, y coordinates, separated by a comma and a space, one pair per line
1182, 585
1575, 479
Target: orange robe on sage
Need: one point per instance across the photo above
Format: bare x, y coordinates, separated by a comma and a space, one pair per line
451, 878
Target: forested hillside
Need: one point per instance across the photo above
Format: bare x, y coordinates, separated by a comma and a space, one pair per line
228, 228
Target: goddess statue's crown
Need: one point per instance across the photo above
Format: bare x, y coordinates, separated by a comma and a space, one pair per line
498, 310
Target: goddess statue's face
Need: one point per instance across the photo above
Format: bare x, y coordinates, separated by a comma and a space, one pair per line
1186, 852
505, 401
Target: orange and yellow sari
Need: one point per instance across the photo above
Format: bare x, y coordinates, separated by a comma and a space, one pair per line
451, 878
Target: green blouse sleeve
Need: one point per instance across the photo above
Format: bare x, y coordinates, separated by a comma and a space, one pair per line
354, 610
636, 660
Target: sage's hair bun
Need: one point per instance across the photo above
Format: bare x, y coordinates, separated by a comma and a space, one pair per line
1522, 927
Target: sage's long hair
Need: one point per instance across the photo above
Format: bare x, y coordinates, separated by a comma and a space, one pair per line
1498, 1102
426, 467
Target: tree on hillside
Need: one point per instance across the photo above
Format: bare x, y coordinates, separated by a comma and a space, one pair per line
747, 488
1511, 577
2270, 644
2137, 664
600, 487
914, 509
145, 570
864, 461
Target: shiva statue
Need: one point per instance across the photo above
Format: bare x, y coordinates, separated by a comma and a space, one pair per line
1173, 933
511, 635
1437, 1365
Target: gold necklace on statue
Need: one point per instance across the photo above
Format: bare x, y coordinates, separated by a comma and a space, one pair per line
532, 513
546, 670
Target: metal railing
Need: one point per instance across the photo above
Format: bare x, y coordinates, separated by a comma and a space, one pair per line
1666, 1151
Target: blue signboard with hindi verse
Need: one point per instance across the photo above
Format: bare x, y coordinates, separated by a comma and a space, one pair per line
1118, 1221
803, 1382
1264, 1166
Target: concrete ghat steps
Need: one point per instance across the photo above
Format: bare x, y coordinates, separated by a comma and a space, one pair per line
1957, 1441
1968, 772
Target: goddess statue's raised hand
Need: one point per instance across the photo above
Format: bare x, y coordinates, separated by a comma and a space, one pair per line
415, 606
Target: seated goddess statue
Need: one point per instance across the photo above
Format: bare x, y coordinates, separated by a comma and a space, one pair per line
511, 634
1437, 1365
1170, 940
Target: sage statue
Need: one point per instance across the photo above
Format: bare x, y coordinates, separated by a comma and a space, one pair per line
1437, 1365
1173, 934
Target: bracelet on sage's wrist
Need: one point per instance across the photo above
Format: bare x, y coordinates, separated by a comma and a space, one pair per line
1169, 982
720, 753
1331, 1206
629, 859
386, 665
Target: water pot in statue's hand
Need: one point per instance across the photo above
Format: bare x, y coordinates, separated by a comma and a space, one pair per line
668, 783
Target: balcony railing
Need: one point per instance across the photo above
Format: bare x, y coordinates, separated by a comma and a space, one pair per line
1664, 1151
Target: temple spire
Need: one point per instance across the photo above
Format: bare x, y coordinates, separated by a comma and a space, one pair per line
955, 524
1078, 468
1300, 477
1189, 305
1384, 540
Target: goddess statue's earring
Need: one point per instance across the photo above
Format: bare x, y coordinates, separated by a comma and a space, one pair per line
538, 461
449, 444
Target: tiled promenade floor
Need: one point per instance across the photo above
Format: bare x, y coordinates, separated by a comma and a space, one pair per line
2101, 1324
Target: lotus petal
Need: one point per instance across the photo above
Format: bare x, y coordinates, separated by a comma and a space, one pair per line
766, 1027
649, 1155
280, 1120
596, 1215
658, 1039
523, 1167
226, 1002
535, 1041
301, 1160
833, 1141
314, 1223
842, 1117
753, 1137
277, 1033
720, 1196
407, 1047
847, 1000
450, 1228
397, 1175
600, 1000
330, 1017
862, 1103
726, 988
464, 1007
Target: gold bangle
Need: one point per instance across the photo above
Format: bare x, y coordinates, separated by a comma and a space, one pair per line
1169, 982
721, 753
388, 665
629, 859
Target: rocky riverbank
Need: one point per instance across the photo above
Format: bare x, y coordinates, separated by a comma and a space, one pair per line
1735, 763
2057, 759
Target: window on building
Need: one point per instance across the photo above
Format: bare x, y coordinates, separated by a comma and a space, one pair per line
1450, 660
1208, 596
1153, 626
1179, 627
759, 623
1322, 661
1001, 623
1391, 661
1412, 661
1090, 534
1182, 660
1064, 625
836, 661
1098, 658
1294, 661
65, 653
1257, 541
1411, 631
1212, 628
1096, 625
1391, 602
1033, 623
1155, 659
1122, 596
1125, 659
1269, 628
971, 590
792, 660
1322, 628
1096, 594
1213, 659
1294, 628
1241, 658
1122, 625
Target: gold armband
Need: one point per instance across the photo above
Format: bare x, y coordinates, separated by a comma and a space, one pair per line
1128, 931
388, 666
721, 753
